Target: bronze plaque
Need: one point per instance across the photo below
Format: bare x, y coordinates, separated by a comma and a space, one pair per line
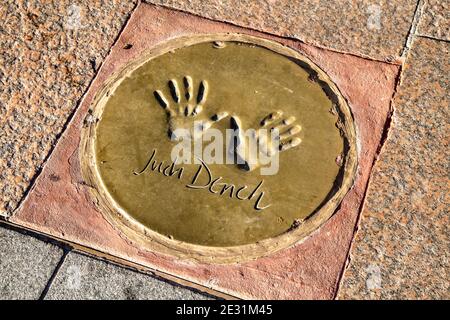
219, 147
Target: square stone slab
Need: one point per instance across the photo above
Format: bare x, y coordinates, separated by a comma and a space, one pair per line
26, 264
60, 205
82, 277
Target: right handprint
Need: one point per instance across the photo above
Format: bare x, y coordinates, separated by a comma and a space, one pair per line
275, 134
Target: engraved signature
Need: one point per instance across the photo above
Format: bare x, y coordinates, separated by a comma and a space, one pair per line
214, 185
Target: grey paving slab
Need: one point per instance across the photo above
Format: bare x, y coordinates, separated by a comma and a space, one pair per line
88, 278
26, 265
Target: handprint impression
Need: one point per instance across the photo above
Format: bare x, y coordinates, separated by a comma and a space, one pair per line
183, 117
248, 155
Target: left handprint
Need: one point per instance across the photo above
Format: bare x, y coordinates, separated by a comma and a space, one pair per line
183, 119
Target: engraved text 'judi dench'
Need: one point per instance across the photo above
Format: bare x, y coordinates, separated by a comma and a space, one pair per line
214, 185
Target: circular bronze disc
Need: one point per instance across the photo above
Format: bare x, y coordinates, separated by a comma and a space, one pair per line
229, 214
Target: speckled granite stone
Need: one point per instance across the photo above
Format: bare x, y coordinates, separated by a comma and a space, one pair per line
344, 25
83, 277
401, 249
49, 52
435, 19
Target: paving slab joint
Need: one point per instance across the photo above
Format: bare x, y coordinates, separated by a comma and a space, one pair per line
53, 276
69, 247
431, 38
148, 273
412, 31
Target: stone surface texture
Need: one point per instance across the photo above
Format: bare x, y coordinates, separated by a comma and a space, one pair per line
60, 204
401, 250
84, 278
378, 29
49, 53
26, 265
435, 19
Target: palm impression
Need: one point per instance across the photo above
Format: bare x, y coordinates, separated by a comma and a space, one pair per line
183, 110
276, 134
